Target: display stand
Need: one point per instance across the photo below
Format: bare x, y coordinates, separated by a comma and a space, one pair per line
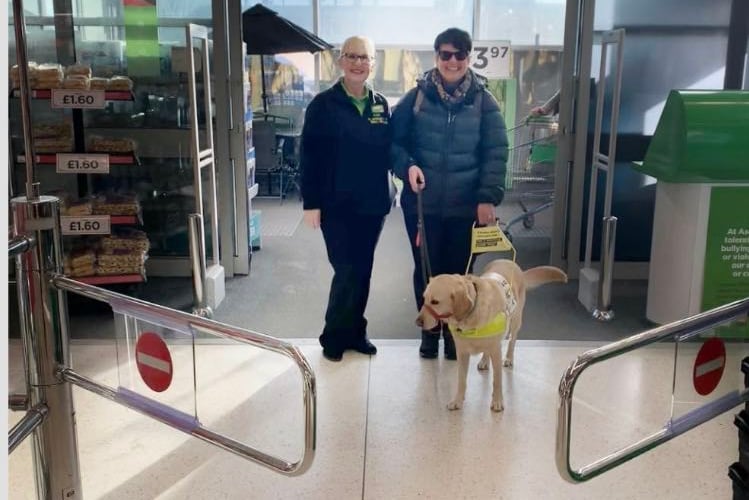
700, 248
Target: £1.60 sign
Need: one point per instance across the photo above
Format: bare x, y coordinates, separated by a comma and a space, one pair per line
85, 224
65, 98
82, 164
491, 59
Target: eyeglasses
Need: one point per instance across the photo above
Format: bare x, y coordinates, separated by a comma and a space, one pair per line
364, 59
445, 55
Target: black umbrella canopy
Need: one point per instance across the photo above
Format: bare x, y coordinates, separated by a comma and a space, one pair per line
265, 32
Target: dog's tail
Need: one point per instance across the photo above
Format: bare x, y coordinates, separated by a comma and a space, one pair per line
537, 276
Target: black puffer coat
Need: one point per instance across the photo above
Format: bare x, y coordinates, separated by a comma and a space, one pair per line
461, 149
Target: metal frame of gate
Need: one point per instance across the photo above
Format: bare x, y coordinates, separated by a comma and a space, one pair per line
677, 331
36, 244
50, 417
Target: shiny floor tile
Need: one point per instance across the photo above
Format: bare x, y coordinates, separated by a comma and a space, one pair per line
384, 431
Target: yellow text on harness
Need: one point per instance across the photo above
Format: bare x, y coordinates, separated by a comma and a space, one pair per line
497, 326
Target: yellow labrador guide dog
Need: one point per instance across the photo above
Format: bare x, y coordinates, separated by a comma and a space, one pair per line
479, 310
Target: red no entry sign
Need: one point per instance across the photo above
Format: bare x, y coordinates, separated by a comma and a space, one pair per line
709, 366
154, 361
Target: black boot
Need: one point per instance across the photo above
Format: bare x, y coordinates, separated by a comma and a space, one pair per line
449, 344
430, 340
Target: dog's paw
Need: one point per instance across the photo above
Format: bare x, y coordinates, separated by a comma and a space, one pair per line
483, 364
455, 405
497, 406
507, 363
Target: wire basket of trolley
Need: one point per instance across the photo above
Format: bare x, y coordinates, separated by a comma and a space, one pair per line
530, 179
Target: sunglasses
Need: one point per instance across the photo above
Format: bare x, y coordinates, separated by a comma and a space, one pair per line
445, 55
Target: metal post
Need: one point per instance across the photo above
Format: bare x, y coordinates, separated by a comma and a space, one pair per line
44, 333
23, 77
608, 243
197, 264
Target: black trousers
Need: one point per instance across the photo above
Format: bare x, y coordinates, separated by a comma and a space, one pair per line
350, 240
449, 245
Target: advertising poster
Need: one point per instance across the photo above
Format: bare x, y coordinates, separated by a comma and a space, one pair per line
726, 276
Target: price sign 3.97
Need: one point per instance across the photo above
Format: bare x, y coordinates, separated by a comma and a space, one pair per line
82, 164
89, 224
66, 98
491, 59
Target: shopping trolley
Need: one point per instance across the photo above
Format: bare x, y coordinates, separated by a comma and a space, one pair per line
530, 179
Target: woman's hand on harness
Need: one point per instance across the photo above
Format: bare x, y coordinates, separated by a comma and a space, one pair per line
485, 214
312, 218
416, 178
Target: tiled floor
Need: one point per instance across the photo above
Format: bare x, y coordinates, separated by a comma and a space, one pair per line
384, 431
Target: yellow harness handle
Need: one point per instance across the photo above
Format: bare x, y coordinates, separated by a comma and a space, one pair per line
489, 239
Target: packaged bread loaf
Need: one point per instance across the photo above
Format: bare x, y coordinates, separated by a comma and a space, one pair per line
76, 82
118, 82
52, 130
98, 144
78, 70
48, 76
125, 239
80, 262
116, 204
31, 73
76, 208
97, 83
121, 258
53, 145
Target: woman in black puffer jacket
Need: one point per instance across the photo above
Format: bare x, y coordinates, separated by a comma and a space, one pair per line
450, 142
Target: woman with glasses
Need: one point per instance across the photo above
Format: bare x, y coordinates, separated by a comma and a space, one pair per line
450, 144
345, 161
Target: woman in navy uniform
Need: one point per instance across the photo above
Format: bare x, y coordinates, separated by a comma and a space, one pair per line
346, 190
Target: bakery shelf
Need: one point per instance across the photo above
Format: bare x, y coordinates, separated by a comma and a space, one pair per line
114, 158
124, 219
109, 95
111, 280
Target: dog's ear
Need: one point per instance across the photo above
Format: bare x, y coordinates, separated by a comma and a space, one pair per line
461, 297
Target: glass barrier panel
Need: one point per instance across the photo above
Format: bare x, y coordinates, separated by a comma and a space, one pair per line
620, 401
250, 395
157, 362
708, 366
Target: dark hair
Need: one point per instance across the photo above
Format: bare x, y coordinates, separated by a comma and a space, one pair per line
458, 38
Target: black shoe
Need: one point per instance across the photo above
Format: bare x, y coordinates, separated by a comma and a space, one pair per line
365, 347
430, 342
449, 345
332, 355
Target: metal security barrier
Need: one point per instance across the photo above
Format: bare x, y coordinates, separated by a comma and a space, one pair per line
185, 322
678, 331
50, 416
43, 312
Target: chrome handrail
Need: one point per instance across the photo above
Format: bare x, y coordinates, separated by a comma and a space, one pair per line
18, 245
182, 321
678, 330
23, 429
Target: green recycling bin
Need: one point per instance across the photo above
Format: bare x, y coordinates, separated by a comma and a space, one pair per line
699, 156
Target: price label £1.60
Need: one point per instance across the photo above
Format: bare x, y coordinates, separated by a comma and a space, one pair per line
82, 164
89, 224
66, 98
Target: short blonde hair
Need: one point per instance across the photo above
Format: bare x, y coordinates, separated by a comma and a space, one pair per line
353, 41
